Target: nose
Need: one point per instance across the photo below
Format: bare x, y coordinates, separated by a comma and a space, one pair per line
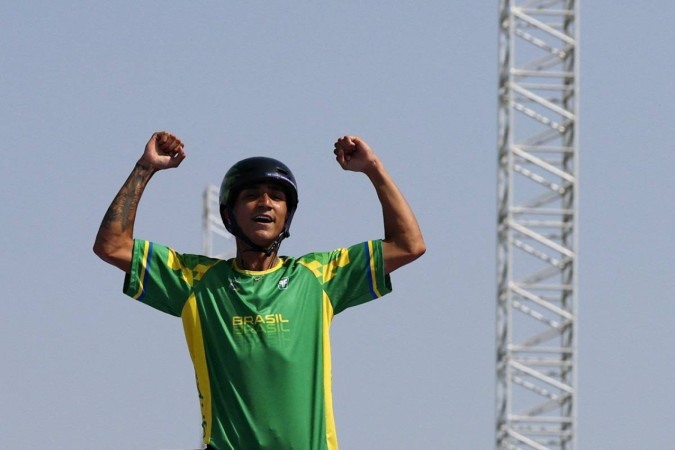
264, 199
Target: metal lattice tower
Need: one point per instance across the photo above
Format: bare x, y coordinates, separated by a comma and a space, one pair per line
537, 225
216, 240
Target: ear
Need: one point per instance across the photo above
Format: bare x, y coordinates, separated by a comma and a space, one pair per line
225, 217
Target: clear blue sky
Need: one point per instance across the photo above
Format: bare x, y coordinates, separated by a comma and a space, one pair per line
84, 84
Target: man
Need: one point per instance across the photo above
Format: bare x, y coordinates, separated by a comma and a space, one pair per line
257, 325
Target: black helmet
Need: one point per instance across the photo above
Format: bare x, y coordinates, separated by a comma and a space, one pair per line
255, 170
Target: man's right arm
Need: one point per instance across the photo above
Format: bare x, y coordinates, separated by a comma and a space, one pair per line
115, 238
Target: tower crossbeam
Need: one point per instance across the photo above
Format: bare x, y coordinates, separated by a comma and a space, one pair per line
537, 225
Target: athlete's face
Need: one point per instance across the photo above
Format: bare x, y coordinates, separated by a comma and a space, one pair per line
260, 211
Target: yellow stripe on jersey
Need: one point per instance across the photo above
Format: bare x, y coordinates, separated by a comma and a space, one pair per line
278, 265
331, 434
189, 274
373, 271
330, 269
326, 272
174, 262
144, 264
195, 341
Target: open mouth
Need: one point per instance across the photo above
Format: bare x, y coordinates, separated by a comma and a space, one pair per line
262, 218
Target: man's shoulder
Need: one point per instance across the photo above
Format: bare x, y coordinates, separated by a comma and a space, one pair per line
320, 256
178, 260
337, 253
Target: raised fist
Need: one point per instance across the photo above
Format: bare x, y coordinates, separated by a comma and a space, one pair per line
163, 151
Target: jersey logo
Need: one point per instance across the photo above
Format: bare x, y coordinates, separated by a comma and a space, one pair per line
268, 330
233, 284
283, 283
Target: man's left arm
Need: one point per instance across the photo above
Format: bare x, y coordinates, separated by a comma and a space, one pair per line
403, 242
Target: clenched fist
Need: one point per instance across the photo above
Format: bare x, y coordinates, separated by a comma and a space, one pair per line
163, 151
352, 153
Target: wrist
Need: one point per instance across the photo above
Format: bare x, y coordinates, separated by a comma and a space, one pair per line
144, 167
374, 170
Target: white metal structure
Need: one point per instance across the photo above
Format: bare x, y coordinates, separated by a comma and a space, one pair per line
537, 225
216, 240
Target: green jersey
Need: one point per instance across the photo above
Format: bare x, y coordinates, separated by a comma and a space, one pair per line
259, 341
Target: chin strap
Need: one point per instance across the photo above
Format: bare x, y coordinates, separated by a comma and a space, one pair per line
258, 249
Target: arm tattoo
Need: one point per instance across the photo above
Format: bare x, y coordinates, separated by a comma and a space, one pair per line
122, 210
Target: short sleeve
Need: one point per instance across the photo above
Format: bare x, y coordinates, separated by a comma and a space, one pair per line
161, 277
356, 275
